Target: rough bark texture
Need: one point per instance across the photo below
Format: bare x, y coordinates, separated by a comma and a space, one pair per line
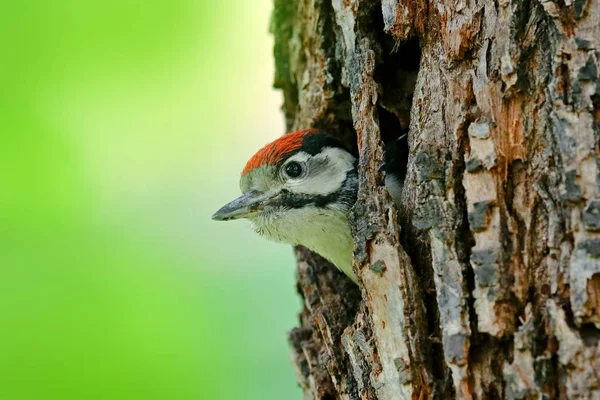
487, 285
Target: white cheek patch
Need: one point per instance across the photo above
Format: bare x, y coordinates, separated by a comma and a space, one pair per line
326, 171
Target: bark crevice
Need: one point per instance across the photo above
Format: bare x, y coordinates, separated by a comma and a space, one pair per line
487, 284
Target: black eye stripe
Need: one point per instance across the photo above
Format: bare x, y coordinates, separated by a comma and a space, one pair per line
346, 195
296, 200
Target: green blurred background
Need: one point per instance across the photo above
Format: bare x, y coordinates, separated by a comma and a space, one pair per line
124, 126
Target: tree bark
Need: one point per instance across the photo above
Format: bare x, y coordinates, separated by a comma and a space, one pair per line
486, 284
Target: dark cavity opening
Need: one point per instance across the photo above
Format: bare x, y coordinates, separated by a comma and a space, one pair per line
590, 334
397, 76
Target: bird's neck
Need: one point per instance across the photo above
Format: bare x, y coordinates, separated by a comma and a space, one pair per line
324, 231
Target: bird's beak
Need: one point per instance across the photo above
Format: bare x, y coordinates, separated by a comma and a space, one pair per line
242, 207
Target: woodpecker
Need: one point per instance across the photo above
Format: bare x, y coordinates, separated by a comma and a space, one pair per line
298, 189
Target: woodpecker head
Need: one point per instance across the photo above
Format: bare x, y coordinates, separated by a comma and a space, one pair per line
298, 189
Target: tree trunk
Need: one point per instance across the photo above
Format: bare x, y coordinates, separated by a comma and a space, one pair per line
487, 285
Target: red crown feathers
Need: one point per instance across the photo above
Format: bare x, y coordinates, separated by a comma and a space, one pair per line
277, 150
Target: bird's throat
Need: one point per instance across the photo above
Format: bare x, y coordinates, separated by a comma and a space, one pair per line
324, 231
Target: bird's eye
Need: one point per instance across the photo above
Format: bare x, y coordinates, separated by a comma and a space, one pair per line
293, 169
